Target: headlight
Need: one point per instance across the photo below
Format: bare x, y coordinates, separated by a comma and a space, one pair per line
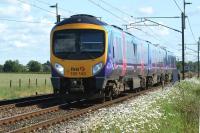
59, 68
96, 68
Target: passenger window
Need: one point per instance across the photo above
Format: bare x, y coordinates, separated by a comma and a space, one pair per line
113, 52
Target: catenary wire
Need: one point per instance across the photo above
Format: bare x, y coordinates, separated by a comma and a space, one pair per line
117, 9
177, 5
23, 21
118, 17
46, 3
107, 3
191, 29
36, 6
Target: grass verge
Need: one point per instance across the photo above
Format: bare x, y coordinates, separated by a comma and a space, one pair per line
181, 109
172, 110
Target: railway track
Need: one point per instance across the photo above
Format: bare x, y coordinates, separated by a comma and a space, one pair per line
57, 111
20, 100
29, 115
9, 104
11, 110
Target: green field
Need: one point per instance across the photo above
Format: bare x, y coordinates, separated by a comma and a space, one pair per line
14, 85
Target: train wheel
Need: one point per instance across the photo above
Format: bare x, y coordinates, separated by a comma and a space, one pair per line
108, 92
142, 83
166, 78
149, 82
162, 78
110, 95
103, 98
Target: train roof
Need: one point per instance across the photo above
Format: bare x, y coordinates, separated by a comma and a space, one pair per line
82, 18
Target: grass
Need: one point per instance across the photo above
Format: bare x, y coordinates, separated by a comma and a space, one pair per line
7, 92
182, 109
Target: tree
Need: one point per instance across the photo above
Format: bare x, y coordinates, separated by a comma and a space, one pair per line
1, 68
46, 67
13, 66
179, 65
34, 66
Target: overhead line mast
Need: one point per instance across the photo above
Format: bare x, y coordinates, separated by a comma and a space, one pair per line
183, 37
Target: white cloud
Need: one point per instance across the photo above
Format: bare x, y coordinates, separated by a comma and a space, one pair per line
194, 12
146, 10
198, 7
10, 10
26, 8
30, 39
163, 31
159, 30
3, 27
14, 8
19, 44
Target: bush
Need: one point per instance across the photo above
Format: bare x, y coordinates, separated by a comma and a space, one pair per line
34, 66
46, 67
1, 68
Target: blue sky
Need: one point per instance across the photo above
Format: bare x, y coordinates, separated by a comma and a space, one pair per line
30, 41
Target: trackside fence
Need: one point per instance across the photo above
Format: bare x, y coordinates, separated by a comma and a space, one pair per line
29, 83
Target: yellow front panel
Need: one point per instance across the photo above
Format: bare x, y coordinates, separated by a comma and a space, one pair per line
79, 68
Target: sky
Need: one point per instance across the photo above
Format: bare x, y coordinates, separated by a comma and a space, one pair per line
25, 25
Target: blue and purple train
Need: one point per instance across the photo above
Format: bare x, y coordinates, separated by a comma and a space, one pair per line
90, 57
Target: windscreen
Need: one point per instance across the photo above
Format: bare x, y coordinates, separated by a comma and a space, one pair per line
65, 43
92, 42
78, 44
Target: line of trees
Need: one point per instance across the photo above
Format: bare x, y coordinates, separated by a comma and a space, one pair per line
31, 66
189, 66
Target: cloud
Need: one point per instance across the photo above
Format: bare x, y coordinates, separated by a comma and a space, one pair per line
15, 9
146, 10
24, 41
26, 8
3, 27
10, 10
19, 44
196, 11
163, 31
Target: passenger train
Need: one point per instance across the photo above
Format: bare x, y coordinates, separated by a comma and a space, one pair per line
92, 58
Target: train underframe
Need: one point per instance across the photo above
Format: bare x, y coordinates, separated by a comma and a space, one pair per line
104, 88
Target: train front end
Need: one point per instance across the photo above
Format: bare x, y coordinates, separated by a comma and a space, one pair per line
78, 55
